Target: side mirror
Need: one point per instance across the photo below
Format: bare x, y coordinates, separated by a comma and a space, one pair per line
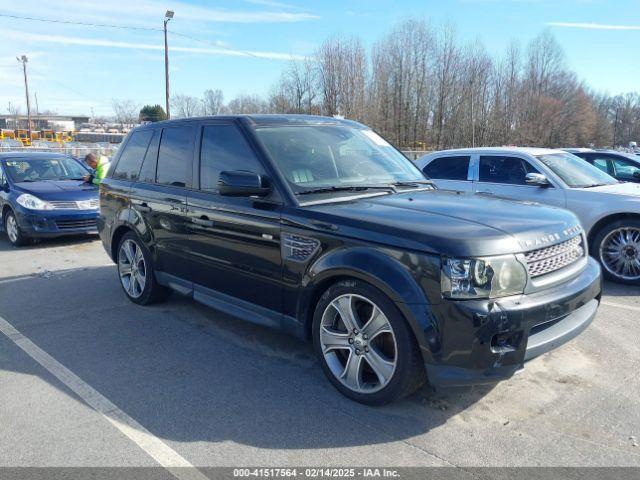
238, 183
536, 179
4, 187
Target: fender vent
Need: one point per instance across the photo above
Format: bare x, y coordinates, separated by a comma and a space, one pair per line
298, 248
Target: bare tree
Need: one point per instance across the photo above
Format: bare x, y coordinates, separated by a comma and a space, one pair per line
213, 102
184, 106
125, 111
247, 104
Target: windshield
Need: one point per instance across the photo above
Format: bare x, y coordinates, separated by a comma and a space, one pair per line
40, 169
335, 156
574, 171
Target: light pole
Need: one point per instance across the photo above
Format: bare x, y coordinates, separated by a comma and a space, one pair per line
167, 16
24, 61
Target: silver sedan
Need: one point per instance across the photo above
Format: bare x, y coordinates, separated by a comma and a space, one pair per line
609, 210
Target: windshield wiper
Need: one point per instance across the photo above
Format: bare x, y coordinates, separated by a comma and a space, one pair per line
594, 185
347, 188
414, 183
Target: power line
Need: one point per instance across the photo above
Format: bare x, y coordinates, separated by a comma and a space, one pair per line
68, 22
129, 27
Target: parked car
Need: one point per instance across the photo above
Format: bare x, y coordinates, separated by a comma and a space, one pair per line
620, 165
608, 210
43, 195
319, 227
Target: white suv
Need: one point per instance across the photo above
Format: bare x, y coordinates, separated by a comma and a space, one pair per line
609, 210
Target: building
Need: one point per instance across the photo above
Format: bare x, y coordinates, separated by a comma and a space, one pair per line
43, 122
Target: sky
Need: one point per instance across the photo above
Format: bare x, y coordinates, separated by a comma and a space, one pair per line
241, 46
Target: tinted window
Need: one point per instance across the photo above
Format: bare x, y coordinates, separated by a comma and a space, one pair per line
148, 170
501, 169
224, 148
175, 156
448, 168
128, 167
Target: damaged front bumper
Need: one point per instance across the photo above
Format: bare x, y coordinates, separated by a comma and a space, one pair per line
485, 341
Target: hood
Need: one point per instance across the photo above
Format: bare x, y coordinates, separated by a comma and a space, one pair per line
59, 189
624, 188
451, 223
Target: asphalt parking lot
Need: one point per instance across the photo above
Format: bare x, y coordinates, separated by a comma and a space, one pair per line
218, 392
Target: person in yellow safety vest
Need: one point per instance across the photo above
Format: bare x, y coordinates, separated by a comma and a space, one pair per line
100, 166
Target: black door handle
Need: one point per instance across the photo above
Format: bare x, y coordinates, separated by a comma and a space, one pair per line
203, 221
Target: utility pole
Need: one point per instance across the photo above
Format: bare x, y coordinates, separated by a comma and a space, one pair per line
167, 16
24, 61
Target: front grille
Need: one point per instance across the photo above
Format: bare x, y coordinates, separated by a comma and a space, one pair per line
73, 205
61, 205
547, 260
76, 224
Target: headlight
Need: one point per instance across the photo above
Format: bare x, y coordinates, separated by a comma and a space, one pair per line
482, 277
33, 203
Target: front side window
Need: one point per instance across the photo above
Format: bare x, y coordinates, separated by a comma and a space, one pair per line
175, 156
574, 171
128, 167
449, 168
43, 169
327, 156
224, 148
504, 169
625, 169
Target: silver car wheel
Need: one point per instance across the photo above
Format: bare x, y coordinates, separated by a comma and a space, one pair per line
358, 343
620, 253
12, 228
132, 268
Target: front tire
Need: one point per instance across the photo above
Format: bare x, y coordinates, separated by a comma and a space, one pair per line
135, 271
364, 344
617, 248
13, 230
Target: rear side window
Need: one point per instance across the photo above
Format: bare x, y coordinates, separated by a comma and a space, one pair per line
502, 169
175, 156
449, 168
128, 167
148, 170
224, 148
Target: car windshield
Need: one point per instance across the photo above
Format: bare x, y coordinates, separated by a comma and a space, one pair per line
574, 171
322, 158
42, 169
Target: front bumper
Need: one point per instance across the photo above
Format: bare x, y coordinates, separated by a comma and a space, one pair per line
52, 223
485, 341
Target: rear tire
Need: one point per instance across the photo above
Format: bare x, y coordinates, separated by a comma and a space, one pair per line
135, 271
364, 344
13, 230
617, 247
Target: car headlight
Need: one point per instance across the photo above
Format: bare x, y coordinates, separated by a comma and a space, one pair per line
465, 278
33, 203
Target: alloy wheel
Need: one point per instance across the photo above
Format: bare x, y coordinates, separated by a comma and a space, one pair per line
358, 343
132, 268
12, 228
620, 253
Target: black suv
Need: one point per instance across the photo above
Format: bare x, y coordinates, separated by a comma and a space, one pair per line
321, 228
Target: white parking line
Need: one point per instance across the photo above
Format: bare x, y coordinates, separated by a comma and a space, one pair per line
620, 305
171, 460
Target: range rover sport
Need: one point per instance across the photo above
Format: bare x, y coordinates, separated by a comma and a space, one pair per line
319, 227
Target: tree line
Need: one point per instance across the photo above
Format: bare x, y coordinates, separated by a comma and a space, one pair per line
422, 88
